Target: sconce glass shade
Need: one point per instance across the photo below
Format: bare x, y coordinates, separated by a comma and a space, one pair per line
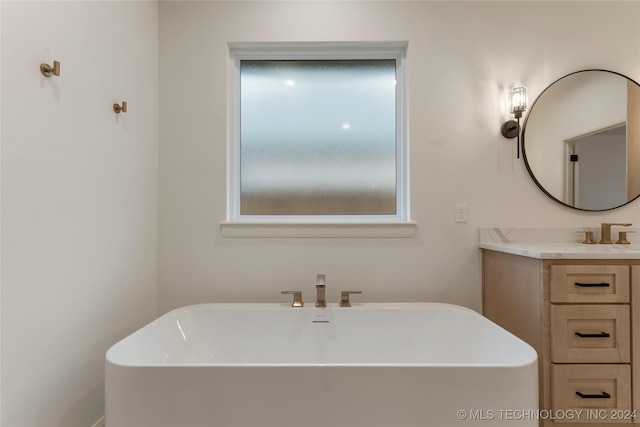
518, 100
511, 128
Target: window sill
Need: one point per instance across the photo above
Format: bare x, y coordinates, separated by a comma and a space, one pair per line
401, 229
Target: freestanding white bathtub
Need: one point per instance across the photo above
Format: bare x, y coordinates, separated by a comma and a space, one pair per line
370, 365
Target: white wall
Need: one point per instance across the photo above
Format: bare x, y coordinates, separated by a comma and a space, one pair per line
464, 57
79, 201
602, 172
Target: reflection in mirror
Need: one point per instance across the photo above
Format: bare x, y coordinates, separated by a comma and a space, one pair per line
581, 140
597, 173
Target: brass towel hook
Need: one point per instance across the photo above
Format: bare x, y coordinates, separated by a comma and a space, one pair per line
48, 71
120, 108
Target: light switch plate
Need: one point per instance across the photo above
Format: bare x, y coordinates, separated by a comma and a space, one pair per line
461, 213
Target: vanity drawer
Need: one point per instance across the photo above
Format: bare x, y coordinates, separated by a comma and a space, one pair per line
592, 387
590, 334
589, 283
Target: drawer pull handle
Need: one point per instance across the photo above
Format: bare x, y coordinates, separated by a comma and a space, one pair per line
600, 335
593, 285
604, 395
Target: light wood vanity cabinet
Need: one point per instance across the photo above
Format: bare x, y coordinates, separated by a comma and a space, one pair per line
583, 319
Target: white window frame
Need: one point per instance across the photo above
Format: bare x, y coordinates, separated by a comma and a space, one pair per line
237, 225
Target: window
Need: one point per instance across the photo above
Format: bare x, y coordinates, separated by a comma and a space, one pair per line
317, 133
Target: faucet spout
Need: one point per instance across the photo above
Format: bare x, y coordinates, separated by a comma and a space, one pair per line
320, 299
320, 290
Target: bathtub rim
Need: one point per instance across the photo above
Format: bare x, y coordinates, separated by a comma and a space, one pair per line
530, 360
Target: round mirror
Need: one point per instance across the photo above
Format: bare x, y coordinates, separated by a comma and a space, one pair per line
581, 140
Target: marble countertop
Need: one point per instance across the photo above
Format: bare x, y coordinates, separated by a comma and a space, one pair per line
565, 250
554, 243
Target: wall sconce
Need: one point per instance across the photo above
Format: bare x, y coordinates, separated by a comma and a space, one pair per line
118, 109
511, 128
48, 71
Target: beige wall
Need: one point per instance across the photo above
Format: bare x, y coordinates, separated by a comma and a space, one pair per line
79, 201
463, 58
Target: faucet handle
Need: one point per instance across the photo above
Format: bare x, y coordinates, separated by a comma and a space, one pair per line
297, 298
622, 238
344, 298
588, 237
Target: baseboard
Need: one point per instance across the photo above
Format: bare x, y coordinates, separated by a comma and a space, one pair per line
99, 423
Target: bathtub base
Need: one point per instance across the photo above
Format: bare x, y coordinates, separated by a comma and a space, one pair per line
319, 396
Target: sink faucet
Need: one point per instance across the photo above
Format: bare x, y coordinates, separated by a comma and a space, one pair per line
320, 287
605, 232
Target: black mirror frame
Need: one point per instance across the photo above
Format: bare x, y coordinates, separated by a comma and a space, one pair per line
524, 150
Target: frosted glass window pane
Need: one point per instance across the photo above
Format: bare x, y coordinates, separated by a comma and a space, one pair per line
318, 137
